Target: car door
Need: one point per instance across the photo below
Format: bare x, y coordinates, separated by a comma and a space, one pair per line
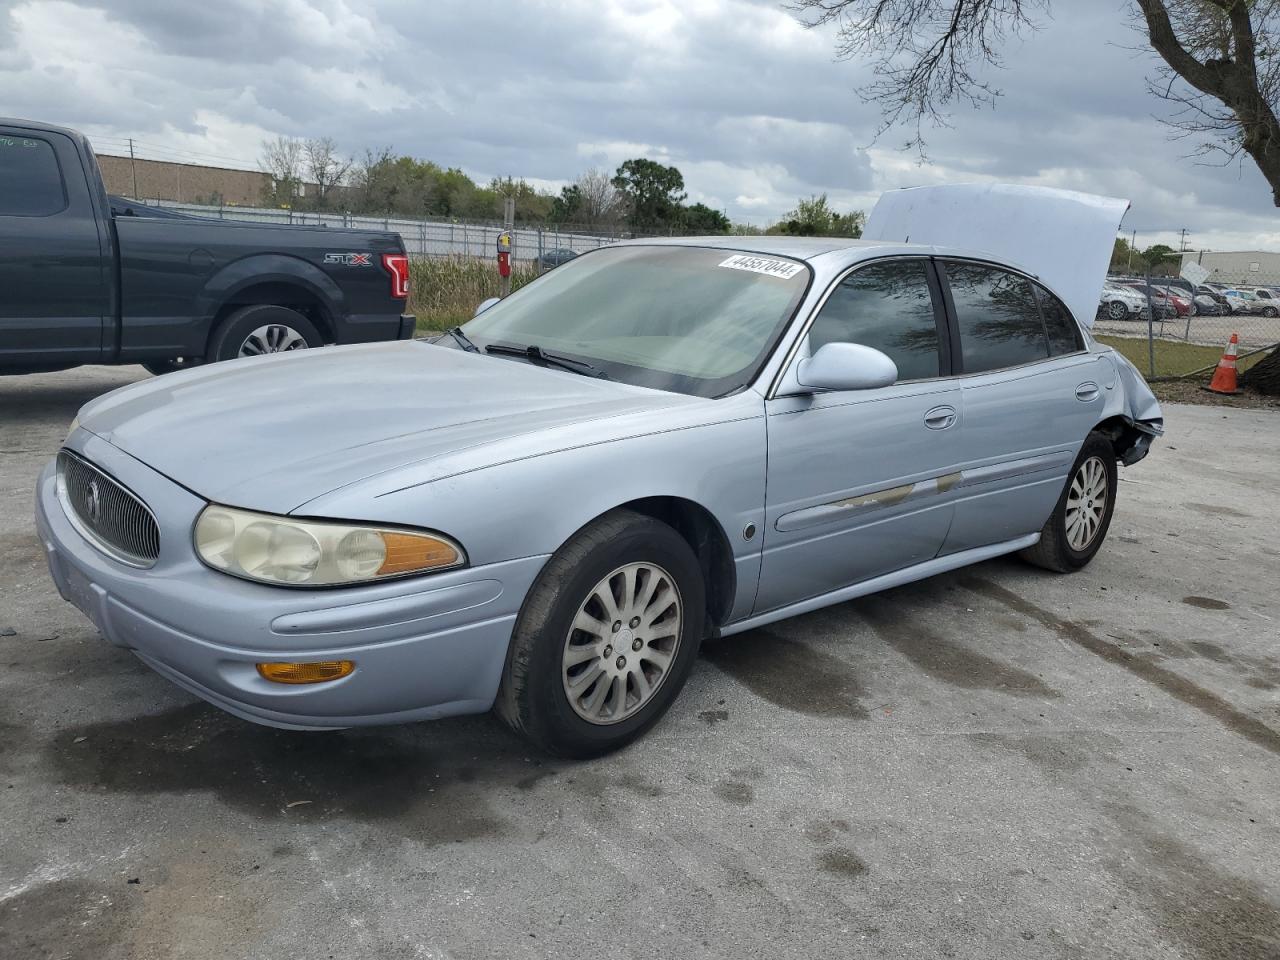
857, 480
1030, 393
54, 294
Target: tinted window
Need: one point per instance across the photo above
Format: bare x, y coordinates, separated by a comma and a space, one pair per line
1064, 335
998, 318
30, 184
887, 306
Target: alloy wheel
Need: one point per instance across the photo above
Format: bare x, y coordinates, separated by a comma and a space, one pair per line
622, 644
272, 338
1086, 503
1116, 310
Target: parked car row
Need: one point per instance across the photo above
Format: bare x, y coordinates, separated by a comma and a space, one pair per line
1125, 298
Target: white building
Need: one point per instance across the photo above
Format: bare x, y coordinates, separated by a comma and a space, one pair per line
1256, 267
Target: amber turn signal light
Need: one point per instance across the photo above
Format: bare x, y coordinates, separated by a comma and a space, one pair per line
321, 672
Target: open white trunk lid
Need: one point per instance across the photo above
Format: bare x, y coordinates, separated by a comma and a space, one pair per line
1063, 237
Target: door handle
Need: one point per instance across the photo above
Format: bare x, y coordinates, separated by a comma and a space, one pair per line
939, 418
1087, 391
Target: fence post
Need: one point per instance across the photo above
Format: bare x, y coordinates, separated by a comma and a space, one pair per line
541, 246
1151, 330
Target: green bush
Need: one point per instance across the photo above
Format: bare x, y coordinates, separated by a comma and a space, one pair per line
445, 291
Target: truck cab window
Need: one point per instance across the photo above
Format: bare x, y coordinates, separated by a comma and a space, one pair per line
30, 182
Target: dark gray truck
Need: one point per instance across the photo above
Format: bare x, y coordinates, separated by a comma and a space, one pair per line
83, 281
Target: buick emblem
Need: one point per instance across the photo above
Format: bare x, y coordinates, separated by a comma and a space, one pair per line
93, 502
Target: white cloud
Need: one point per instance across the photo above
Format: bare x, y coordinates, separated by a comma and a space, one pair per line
751, 107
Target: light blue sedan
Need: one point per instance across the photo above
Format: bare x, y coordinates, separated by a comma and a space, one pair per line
546, 510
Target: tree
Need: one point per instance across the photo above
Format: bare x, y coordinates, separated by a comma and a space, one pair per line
653, 193
326, 168
1264, 376
1161, 258
1220, 62
602, 204
281, 161
814, 218
700, 218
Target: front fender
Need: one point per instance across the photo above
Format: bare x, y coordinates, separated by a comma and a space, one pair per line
262, 268
532, 506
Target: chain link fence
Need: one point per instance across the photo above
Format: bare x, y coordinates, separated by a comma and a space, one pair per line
439, 237
1169, 328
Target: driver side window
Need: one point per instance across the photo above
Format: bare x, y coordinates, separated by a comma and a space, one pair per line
888, 306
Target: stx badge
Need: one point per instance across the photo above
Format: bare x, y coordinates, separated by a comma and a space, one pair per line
350, 259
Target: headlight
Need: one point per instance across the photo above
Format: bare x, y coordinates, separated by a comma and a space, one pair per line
309, 553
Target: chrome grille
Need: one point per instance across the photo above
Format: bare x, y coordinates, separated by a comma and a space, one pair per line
106, 512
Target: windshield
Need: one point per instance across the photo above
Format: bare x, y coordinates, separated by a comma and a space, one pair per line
692, 320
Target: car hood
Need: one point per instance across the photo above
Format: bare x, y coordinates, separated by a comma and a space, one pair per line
273, 433
1063, 237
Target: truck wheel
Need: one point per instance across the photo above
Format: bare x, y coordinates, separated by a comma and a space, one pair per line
1079, 522
606, 638
161, 367
260, 329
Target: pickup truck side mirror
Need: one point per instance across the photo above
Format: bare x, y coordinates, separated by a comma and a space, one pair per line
484, 305
846, 366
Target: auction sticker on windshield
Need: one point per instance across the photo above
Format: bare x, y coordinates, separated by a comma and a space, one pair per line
782, 269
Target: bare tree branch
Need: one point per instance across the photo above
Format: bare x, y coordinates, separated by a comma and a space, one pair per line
1221, 62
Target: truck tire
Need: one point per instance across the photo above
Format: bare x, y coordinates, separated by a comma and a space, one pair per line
260, 329
607, 637
161, 367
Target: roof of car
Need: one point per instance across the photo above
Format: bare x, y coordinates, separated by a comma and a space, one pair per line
800, 248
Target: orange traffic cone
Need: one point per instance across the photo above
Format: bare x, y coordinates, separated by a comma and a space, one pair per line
1224, 378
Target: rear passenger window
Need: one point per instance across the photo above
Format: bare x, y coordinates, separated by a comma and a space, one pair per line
30, 183
998, 317
888, 306
1064, 335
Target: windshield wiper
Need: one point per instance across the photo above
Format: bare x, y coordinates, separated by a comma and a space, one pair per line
463, 340
535, 354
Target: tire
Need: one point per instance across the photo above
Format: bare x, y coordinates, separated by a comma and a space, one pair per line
1063, 547
534, 697
1117, 310
260, 329
1270, 312
161, 367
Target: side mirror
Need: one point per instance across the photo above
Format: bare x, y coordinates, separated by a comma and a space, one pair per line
485, 305
846, 366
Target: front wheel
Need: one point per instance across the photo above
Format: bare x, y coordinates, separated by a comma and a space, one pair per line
1270, 312
1117, 310
1078, 525
606, 638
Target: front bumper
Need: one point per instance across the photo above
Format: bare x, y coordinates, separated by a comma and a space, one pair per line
424, 647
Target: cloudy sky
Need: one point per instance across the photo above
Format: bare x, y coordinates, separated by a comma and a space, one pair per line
751, 107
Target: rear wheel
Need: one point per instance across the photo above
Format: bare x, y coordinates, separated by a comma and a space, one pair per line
606, 638
261, 329
1079, 522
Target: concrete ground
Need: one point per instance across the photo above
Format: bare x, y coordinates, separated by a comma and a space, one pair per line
994, 763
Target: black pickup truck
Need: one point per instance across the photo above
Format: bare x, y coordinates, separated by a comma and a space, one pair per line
83, 280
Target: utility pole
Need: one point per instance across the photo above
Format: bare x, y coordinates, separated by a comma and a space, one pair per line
133, 165
1132, 243
1182, 244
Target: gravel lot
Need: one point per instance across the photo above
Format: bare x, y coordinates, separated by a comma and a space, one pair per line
993, 763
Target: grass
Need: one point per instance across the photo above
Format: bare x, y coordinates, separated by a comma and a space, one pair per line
1173, 358
444, 292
